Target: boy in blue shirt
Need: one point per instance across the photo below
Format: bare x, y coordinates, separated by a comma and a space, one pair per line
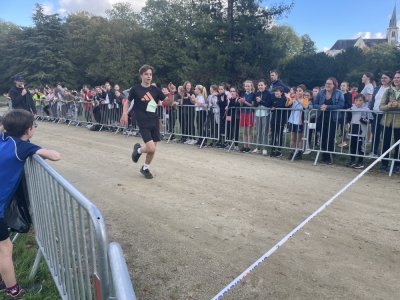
15, 148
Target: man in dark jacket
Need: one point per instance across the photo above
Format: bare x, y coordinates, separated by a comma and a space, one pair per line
275, 81
21, 97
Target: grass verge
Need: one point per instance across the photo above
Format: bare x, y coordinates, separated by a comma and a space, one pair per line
25, 250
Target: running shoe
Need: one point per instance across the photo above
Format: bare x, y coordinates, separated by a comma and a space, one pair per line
146, 173
135, 153
33, 289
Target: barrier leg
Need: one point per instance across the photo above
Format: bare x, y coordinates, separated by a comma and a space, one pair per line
316, 158
15, 238
35, 265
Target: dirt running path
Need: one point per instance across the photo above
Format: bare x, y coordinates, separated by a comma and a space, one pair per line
207, 215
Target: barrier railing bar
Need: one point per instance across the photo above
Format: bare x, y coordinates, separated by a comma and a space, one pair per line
123, 288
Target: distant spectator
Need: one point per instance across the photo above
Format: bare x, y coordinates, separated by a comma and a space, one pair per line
88, 103
344, 87
368, 90
328, 99
233, 117
222, 102
390, 105
20, 96
278, 102
213, 113
246, 114
368, 80
359, 120
295, 122
353, 91
188, 114
263, 104
170, 106
386, 79
275, 81
199, 98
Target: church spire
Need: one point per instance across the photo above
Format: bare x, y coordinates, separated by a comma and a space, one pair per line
393, 20
393, 31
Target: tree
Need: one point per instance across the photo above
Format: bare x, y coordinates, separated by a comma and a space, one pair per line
311, 70
308, 45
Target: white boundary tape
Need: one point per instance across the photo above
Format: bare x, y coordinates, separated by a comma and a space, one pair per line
246, 272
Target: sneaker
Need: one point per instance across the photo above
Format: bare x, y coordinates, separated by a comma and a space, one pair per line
135, 154
342, 144
278, 154
33, 289
272, 153
246, 150
192, 142
298, 156
236, 148
358, 166
373, 155
256, 150
187, 141
327, 161
146, 173
265, 152
351, 164
308, 151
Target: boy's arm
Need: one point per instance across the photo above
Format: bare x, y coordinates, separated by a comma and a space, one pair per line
49, 154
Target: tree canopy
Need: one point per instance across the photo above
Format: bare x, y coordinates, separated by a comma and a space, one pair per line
205, 41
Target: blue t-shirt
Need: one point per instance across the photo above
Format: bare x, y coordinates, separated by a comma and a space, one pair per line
13, 154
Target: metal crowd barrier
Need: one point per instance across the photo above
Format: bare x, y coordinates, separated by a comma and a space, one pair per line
259, 128
71, 236
192, 123
77, 113
323, 133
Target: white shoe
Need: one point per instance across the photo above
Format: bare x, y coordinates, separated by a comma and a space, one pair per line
187, 141
236, 148
192, 142
265, 152
308, 151
373, 155
256, 151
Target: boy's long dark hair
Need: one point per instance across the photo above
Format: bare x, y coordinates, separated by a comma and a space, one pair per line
17, 121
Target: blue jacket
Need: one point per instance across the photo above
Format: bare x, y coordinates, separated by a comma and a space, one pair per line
279, 83
337, 102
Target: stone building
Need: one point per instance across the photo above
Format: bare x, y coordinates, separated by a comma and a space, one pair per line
392, 35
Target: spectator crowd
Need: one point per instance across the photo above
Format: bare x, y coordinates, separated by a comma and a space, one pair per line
257, 116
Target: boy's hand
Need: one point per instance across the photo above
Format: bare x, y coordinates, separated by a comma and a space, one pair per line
124, 119
49, 154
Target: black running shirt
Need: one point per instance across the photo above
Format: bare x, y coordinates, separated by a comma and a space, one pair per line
142, 96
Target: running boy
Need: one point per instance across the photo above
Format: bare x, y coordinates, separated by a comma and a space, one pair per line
146, 99
15, 148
